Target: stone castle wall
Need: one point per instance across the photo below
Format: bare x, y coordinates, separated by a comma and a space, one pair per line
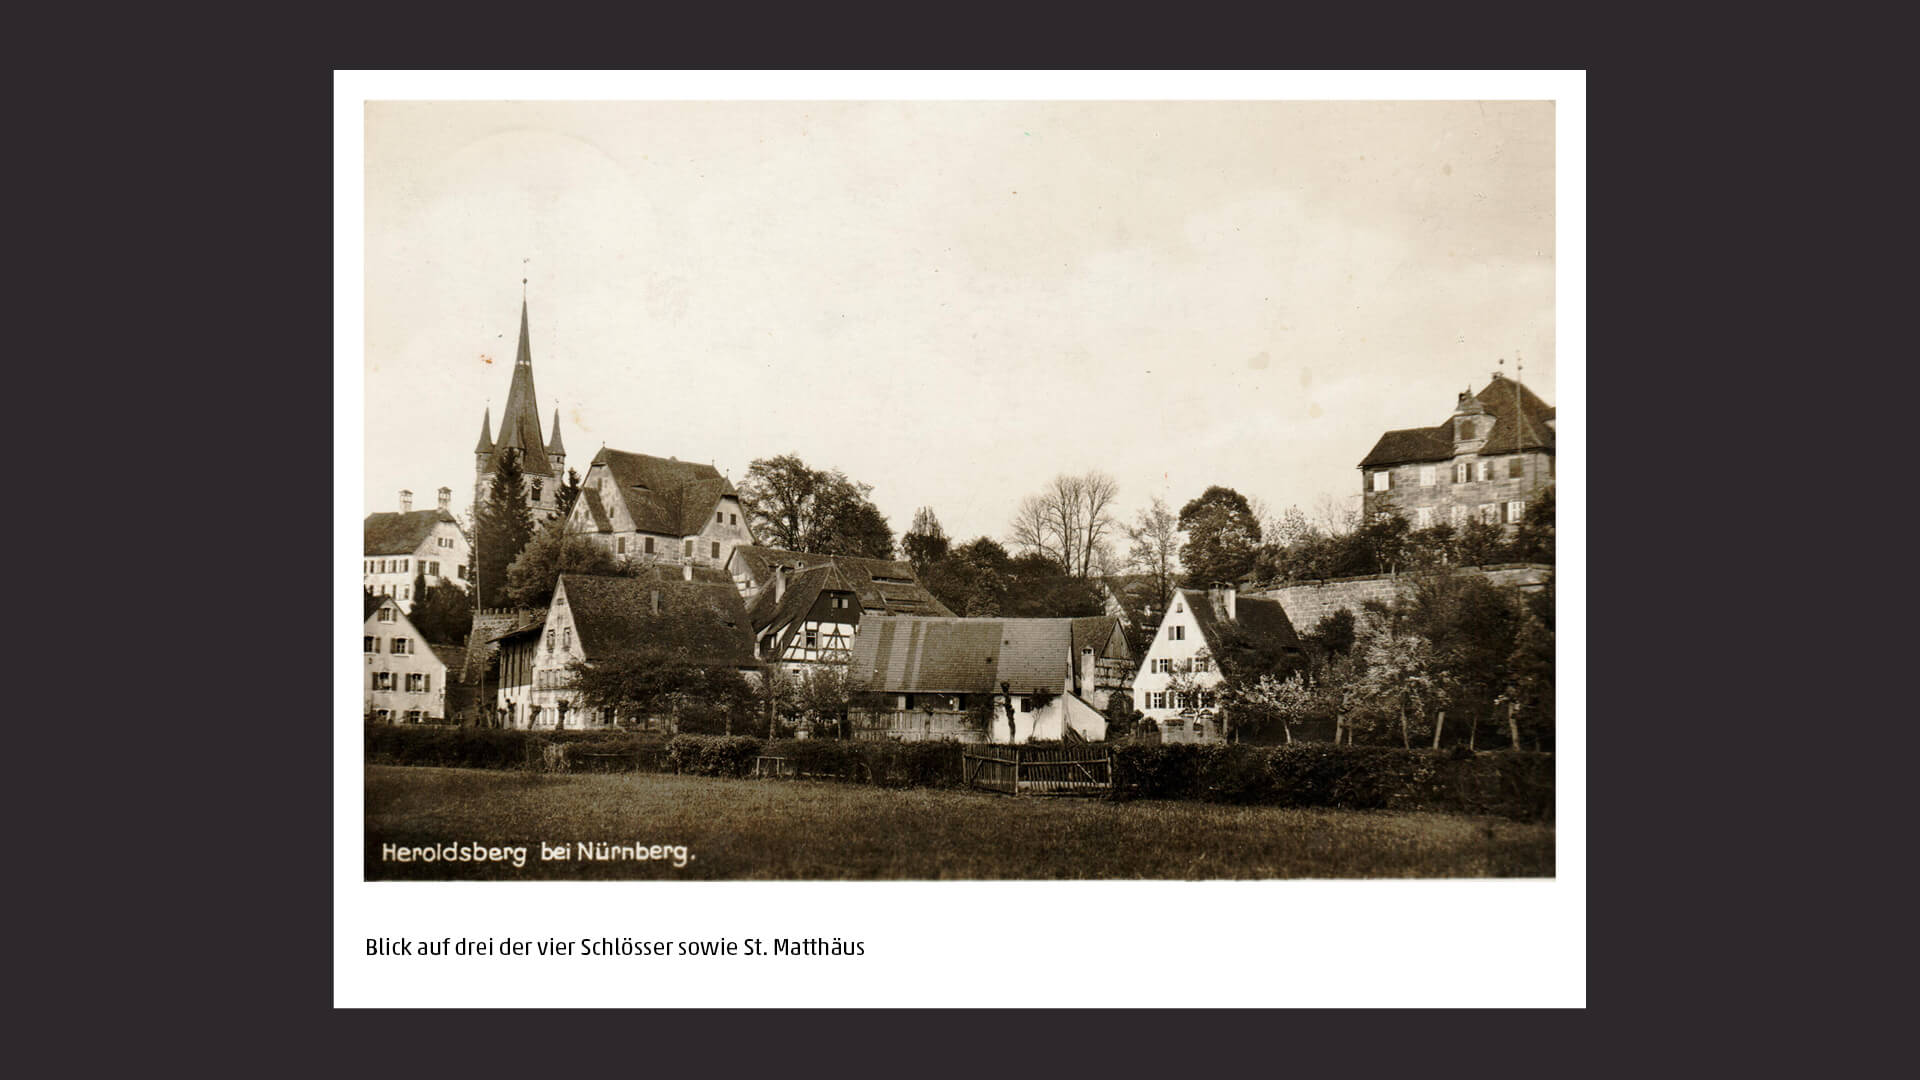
1306, 603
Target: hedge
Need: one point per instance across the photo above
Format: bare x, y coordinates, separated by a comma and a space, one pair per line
1517, 785
1507, 783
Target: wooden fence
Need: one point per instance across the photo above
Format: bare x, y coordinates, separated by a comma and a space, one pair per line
1039, 770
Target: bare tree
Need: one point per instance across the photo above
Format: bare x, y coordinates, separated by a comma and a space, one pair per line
1156, 548
1069, 522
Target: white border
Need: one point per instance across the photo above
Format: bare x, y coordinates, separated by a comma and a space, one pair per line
1280, 943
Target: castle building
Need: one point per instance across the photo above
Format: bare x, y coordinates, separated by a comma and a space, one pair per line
543, 464
1483, 463
664, 510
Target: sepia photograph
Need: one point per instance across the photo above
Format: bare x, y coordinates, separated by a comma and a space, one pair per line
1152, 490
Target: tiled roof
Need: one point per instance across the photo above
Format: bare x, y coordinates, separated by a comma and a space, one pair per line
1245, 645
402, 534
961, 656
454, 656
1135, 593
887, 586
1096, 632
663, 496
700, 621
1520, 423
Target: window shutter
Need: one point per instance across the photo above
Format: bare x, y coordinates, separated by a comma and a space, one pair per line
426, 682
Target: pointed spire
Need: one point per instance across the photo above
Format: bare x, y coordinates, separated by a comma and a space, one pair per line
485, 445
555, 448
525, 355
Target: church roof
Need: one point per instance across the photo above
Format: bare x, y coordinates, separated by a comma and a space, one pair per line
402, 533
520, 421
554, 446
485, 445
663, 496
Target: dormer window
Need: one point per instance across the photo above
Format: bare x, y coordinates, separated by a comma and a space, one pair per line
1466, 430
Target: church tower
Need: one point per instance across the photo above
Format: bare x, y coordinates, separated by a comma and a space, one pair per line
540, 460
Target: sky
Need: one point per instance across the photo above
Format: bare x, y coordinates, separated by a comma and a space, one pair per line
954, 302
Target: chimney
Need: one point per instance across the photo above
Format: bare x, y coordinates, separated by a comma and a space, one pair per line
779, 583
446, 497
1224, 597
1086, 671
406, 501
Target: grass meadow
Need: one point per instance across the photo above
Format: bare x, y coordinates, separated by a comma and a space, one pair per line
822, 830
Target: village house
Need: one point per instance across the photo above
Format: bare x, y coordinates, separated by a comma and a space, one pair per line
406, 679
1206, 637
696, 617
919, 678
1483, 463
661, 510
805, 609
542, 465
400, 547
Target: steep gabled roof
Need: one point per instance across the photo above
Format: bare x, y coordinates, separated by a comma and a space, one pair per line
885, 586
1096, 632
402, 533
1520, 423
903, 654
1135, 593
1255, 641
664, 496
699, 621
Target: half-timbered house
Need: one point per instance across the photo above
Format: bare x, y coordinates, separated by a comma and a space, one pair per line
805, 609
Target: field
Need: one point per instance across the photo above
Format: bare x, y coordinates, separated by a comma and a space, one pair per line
818, 830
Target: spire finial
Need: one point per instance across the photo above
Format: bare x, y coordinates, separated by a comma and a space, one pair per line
523, 280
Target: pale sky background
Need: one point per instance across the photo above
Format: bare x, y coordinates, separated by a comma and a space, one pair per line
955, 301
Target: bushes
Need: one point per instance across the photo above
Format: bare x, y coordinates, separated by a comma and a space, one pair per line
712, 755
891, 764
1515, 785
498, 748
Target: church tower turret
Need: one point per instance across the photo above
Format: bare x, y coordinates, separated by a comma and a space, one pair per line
520, 432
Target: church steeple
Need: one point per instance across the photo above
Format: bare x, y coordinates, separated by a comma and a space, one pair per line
520, 422
555, 448
485, 445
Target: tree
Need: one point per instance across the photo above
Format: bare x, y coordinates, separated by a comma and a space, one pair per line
442, 613
567, 494
1223, 537
502, 526
1271, 700
662, 681
1531, 669
1480, 543
1156, 548
1069, 522
1039, 588
925, 542
972, 580
1533, 541
800, 508
1401, 681
555, 551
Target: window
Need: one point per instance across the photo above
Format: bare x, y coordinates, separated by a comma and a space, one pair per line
383, 680
649, 545
619, 545
462, 571
1457, 515
1426, 476
1423, 517
720, 518
689, 549
1382, 480
813, 639
401, 646
1516, 510
549, 641
413, 716
1516, 467
433, 568
1486, 469
566, 637
1026, 704
373, 644
1157, 700
383, 715
1162, 666
716, 549
1199, 729
1462, 472
735, 517
1490, 513
406, 592
1201, 663
1178, 607
536, 490
1176, 633
416, 682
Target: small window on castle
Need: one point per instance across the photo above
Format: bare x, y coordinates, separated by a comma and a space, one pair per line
649, 545
1426, 476
537, 486
719, 517
1462, 471
1516, 510
689, 549
1382, 480
735, 517
1486, 470
716, 549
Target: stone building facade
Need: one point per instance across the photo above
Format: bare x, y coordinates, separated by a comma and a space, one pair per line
1484, 463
